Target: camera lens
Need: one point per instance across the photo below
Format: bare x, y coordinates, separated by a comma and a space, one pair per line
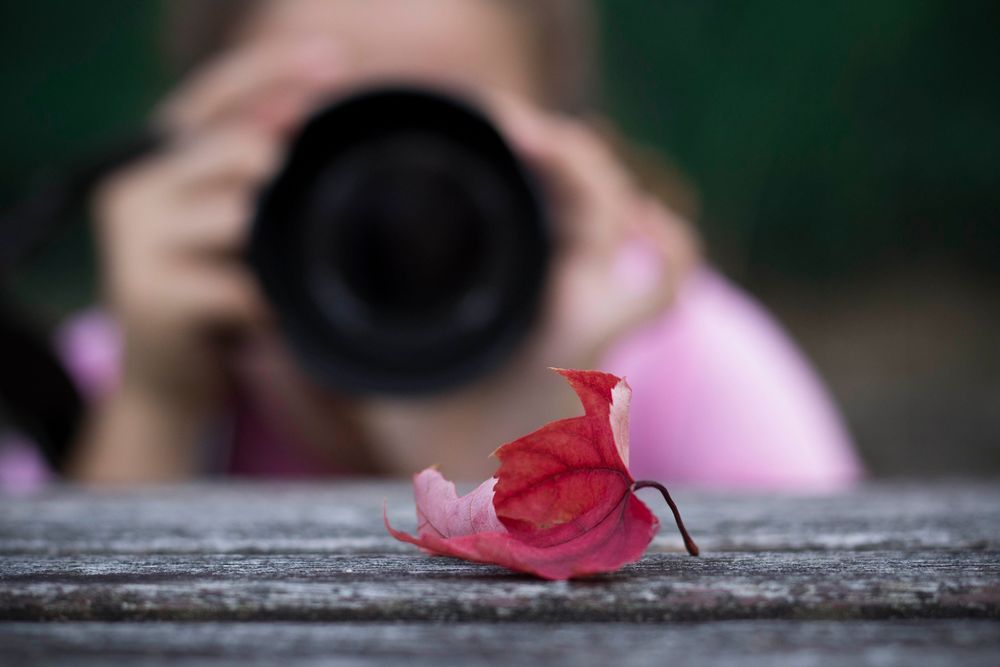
400, 230
403, 244
410, 243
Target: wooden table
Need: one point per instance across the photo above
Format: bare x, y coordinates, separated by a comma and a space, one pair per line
218, 574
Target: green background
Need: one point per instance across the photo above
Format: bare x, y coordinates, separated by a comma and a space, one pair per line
826, 137
846, 156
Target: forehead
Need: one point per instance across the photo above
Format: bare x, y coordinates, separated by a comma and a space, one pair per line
469, 43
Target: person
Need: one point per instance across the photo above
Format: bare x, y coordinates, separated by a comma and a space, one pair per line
188, 375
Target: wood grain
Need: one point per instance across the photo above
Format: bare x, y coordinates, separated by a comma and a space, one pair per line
412, 587
743, 643
894, 573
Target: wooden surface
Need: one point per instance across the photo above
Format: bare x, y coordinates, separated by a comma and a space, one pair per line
891, 574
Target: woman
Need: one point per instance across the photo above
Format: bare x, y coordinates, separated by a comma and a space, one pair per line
200, 381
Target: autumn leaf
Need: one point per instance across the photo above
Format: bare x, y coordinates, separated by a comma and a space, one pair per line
562, 502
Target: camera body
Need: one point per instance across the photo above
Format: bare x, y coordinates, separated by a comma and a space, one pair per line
403, 245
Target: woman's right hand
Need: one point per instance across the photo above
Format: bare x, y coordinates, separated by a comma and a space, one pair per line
172, 229
170, 232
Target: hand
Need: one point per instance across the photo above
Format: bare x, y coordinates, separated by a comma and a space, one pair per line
620, 253
171, 231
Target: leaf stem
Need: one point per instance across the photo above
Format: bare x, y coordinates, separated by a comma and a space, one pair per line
689, 544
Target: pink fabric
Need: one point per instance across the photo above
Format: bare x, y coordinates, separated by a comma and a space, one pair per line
22, 468
90, 345
262, 448
721, 397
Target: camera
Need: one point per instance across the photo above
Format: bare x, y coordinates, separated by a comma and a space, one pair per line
403, 245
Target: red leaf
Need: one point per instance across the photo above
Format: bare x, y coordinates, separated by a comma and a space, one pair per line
562, 501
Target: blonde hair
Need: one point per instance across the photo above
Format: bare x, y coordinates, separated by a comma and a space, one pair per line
563, 32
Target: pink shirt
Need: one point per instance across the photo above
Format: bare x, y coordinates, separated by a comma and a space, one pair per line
721, 397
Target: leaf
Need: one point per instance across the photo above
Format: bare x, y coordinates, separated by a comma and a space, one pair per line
440, 511
562, 499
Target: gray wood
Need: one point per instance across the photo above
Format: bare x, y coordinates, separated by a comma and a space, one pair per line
744, 643
663, 587
346, 518
197, 558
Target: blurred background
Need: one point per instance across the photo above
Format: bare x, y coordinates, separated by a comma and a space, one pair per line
845, 159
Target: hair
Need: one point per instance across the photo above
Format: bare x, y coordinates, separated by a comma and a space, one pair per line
563, 32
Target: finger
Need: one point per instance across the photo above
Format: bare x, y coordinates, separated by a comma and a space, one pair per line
284, 111
672, 234
579, 169
163, 291
197, 198
537, 135
220, 295
233, 155
215, 223
566, 145
238, 80
575, 159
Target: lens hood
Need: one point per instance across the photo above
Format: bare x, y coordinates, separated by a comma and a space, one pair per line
403, 244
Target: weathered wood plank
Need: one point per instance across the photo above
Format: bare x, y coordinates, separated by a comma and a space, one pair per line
411, 587
347, 518
292, 553
745, 643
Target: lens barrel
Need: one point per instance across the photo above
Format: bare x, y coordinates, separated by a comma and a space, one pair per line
403, 245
